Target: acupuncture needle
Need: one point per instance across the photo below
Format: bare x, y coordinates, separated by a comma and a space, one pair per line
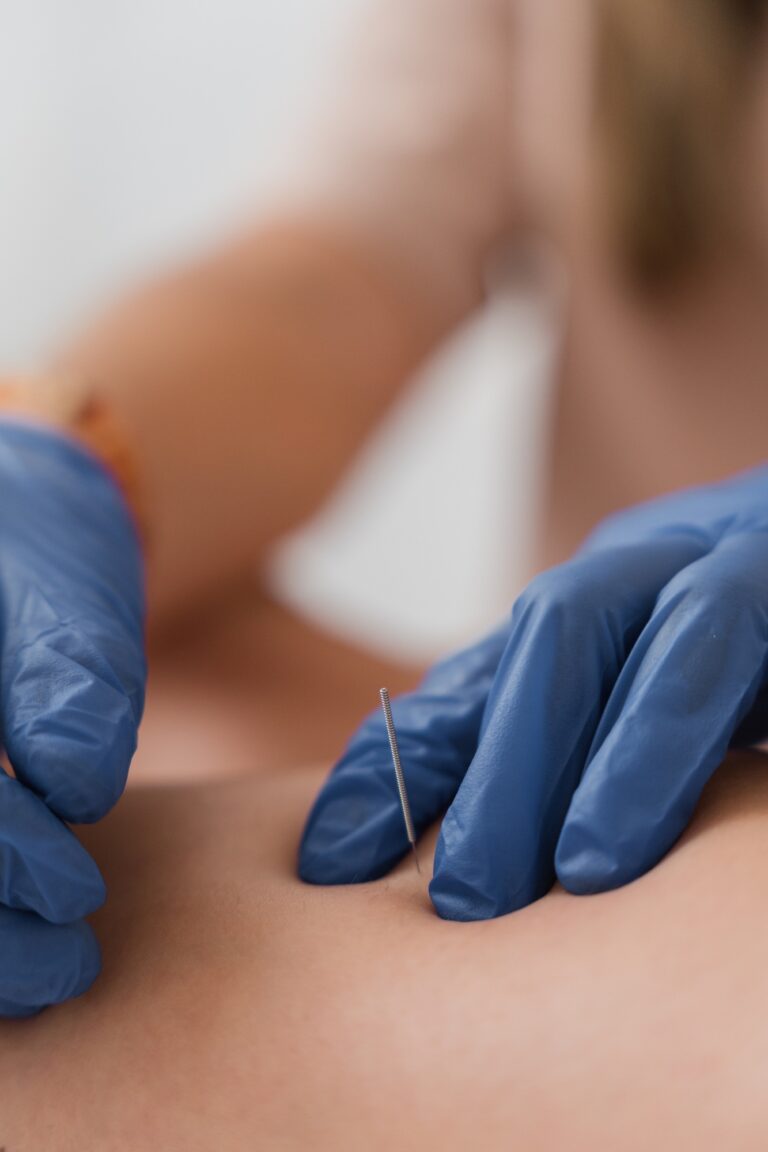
404, 804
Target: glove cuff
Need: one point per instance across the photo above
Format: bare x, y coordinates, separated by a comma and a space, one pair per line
72, 405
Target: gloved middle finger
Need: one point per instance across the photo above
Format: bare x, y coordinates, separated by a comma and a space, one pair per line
571, 632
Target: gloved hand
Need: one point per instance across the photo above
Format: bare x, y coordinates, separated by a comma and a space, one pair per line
72, 676
576, 740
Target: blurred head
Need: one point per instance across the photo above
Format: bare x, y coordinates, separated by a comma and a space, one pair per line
682, 138
647, 119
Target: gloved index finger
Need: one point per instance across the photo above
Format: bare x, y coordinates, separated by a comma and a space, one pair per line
69, 702
355, 831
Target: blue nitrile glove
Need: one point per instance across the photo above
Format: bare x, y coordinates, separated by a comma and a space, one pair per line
72, 676
577, 739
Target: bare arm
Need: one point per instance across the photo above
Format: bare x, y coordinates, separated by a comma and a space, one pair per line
248, 381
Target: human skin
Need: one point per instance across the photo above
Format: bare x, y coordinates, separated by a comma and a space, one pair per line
249, 379
252, 684
239, 1008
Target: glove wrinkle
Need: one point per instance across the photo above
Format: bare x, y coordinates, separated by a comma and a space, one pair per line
72, 675
578, 741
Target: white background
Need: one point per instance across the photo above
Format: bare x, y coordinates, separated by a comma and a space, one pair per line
134, 130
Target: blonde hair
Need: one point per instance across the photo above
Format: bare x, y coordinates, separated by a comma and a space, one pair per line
671, 82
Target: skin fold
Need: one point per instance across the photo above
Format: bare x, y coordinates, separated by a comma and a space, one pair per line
240, 1008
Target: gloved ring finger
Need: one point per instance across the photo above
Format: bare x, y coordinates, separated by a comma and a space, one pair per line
42, 964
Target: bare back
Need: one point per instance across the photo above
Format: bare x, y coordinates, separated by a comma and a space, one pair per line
239, 1008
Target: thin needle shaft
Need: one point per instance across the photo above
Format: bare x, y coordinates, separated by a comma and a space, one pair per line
410, 831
